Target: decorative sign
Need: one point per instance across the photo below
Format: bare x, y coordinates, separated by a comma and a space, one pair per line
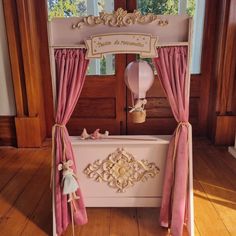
136, 43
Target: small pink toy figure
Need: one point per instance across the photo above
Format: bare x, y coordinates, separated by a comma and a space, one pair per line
85, 134
69, 180
95, 135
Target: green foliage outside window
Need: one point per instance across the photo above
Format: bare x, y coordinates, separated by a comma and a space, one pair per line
164, 7
191, 7
158, 7
66, 8
69, 8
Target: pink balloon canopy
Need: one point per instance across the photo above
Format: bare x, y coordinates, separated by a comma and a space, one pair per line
139, 78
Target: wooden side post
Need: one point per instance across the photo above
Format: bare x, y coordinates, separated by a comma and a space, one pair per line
30, 72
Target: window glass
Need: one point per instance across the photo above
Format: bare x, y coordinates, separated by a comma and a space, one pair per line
191, 7
70, 8
104, 66
158, 7
194, 8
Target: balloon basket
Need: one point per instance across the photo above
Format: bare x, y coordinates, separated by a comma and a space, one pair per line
138, 116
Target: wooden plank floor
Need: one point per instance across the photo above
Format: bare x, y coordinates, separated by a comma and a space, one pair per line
25, 201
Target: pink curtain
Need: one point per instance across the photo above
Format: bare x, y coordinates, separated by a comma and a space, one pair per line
171, 65
71, 67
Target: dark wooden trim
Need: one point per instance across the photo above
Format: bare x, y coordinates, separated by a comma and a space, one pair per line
44, 62
131, 5
10, 12
221, 108
26, 24
7, 131
120, 3
225, 130
28, 127
207, 63
228, 60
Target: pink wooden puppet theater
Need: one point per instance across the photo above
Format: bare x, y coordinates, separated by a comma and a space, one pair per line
165, 162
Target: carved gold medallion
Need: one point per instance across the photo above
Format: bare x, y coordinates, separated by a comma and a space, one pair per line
120, 18
121, 170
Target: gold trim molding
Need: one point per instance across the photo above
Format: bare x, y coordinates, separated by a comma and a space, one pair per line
121, 170
120, 18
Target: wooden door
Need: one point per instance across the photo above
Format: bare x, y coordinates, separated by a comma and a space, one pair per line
103, 99
101, 104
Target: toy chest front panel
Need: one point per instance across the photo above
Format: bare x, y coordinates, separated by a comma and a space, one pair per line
141, 194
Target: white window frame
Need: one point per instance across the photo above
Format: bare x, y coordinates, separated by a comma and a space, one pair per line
198, 27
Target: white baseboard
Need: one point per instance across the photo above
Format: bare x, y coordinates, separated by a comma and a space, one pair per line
232, 151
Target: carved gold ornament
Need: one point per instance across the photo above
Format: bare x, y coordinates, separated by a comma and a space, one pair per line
121, 170
120, 18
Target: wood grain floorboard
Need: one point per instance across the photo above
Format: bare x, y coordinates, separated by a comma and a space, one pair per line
228, 159
26, 203
99, 220
205, 214
6, 153
196, 231
14, 164
15, 187
148, 222
124, 222
221, 191
40, 222
25, 198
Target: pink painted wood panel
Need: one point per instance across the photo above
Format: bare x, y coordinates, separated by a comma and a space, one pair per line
61, 32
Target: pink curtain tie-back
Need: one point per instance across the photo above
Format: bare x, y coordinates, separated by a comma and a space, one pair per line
181, 123
53, 147
58, 125
63, 127
177, 131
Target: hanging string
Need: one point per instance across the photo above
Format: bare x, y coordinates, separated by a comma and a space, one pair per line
132, 98
177, 132
53, 148
72, 219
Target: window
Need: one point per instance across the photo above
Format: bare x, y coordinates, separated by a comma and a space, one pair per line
104, 66
70, 8
195, 8
158, 7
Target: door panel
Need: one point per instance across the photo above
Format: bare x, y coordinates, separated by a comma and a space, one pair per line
101, 104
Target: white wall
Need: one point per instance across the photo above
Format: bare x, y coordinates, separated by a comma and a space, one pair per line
7, 101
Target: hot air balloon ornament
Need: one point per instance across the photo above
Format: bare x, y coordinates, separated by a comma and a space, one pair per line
139, 78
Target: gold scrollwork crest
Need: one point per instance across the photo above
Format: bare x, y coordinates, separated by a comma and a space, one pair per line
121, 170
120, 18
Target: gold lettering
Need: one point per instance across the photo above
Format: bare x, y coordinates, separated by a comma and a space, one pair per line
132, 44
117, 42
102, 44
